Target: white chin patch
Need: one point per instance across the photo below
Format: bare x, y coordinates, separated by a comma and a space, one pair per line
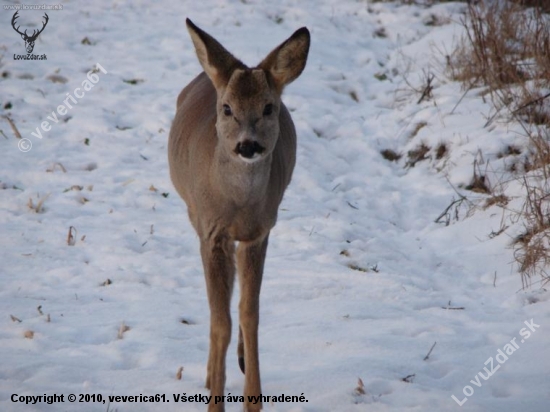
253, 159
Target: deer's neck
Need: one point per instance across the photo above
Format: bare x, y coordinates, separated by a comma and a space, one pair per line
243, 183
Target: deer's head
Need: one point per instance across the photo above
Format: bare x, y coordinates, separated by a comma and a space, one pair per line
29, 40
249, 99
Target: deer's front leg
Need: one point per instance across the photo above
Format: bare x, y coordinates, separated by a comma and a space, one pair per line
219, 270
250, 262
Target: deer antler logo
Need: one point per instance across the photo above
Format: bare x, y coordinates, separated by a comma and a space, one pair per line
29, 40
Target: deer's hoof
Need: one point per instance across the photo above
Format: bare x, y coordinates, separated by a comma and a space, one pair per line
241, 363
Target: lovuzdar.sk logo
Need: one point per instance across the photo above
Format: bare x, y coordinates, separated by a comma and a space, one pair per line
29, 40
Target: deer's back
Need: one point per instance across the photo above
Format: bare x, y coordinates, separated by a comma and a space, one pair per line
193, 135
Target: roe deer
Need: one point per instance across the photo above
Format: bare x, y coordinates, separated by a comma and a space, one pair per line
232, 150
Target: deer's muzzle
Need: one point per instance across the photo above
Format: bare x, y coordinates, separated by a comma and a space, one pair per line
248, 149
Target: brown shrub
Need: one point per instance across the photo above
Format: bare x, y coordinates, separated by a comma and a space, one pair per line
506, 49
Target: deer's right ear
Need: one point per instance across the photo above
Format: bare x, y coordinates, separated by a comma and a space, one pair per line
216, 61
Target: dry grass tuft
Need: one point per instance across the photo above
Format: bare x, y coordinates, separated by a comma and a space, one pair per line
419, 126
122, 330
510, 150
544, 5
479, 184
539, 156
532, 247
417, 155
390, 155
360, 389
500, 200
358, 268
506, 50
440, 151
39, 206
77, 188
55, 166
71, 236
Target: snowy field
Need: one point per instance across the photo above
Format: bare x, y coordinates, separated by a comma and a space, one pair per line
101, 284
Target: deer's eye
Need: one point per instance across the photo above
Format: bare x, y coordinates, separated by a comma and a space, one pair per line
268, 109
227, 110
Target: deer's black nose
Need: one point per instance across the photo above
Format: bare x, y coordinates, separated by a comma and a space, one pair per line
248, 149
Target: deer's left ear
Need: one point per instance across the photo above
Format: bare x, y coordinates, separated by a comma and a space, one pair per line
216, 61
287, 61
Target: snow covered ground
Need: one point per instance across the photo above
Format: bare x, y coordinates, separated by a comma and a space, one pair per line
360, 282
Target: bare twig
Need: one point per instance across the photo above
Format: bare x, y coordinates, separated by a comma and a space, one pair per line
409, 378
426, 93
446, 211
490, 120
449, 307
71, 236
430, 352
537, 100
13, 126
464, 94
56, 164
353, 207
461, 198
